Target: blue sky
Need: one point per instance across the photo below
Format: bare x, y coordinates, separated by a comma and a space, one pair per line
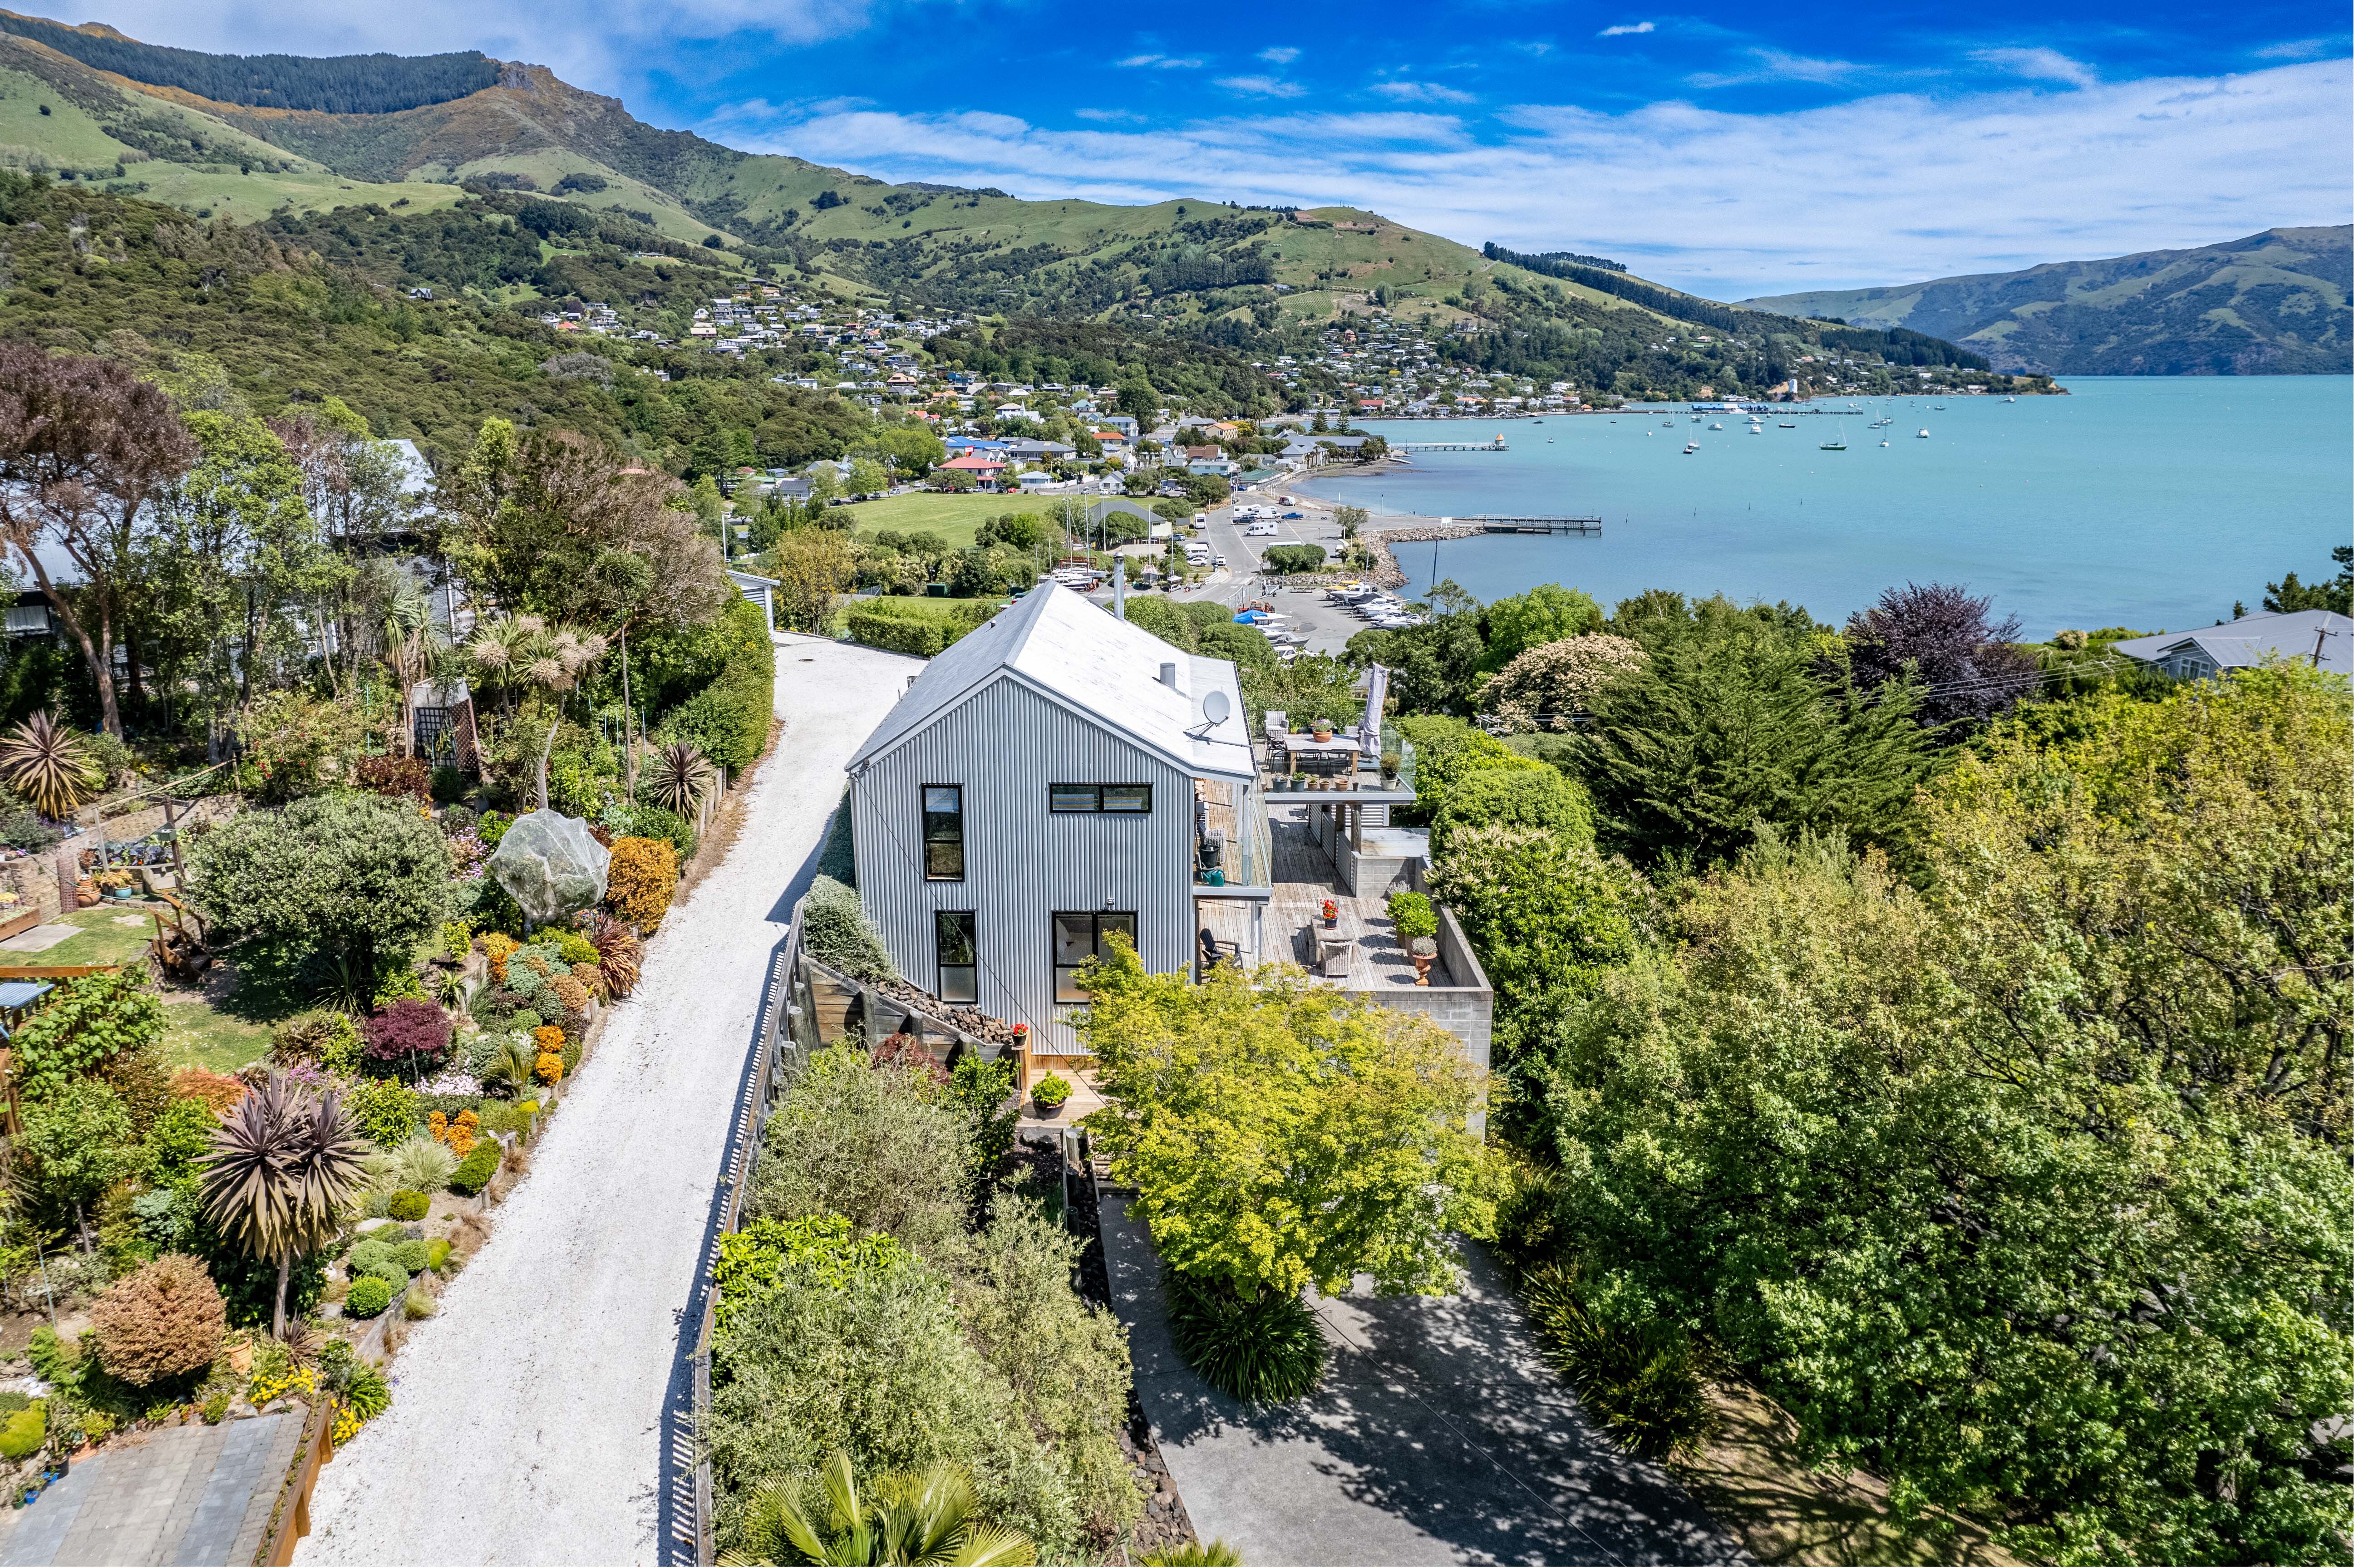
1734, 151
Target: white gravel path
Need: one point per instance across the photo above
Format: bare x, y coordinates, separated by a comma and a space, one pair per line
529, 1418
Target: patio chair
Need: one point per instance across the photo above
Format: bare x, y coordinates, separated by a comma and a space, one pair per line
1215, 952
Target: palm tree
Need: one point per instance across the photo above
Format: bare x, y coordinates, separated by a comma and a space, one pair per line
48, 764
524, 650
929, 1518
283, 1165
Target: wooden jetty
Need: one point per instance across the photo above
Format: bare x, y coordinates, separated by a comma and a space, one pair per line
1534, 524
1495, 446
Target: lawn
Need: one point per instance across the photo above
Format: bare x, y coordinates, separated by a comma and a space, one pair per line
197, 1033
952, 517
906, 607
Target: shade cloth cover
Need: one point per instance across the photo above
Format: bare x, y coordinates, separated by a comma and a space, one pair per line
550, 865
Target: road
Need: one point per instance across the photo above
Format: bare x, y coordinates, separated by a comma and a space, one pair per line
536, 1418
1326, 625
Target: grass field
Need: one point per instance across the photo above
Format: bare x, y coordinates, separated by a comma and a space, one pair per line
197, 1034
952, 517
906, 607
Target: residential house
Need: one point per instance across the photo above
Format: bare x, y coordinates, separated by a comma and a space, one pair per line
1039, 451
1039, 789
988, 469
1060, 778
2319, 636
758, 591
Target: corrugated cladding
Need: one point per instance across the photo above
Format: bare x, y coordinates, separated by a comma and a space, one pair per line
1005, 744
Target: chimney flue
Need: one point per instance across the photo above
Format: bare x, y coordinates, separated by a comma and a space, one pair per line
1168, 676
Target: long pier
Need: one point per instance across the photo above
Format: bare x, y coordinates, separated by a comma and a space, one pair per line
1495, 446
1533, 525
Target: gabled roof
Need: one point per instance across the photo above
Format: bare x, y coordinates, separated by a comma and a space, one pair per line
1074, 653
2252, 639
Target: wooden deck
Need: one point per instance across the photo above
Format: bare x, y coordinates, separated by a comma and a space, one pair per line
1304, 879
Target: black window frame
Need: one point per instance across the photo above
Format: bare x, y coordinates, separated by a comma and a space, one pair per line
926, 812
1057, 969
1096, 794
942, 967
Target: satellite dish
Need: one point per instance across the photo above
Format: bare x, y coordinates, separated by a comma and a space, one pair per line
1215, 708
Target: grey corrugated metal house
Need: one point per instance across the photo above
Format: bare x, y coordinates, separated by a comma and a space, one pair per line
1055, 777
2319, 636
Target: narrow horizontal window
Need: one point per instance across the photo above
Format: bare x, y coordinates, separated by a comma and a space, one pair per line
1126, 799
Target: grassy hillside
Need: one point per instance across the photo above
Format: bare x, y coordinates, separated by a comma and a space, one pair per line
2275, 303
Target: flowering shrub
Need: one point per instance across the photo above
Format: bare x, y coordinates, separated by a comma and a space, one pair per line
570, 991
164, 1321
278, 1383
1542, 688
408, 1029
453, 1080
548, 1068
460, 1135
640, 880
499, 946
218, 1090
548, 1037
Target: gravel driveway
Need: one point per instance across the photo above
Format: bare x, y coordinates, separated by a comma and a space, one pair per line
530, 1418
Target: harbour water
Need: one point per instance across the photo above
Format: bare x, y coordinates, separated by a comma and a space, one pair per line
2150, 502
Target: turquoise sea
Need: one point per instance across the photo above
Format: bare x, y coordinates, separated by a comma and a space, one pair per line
2146, 502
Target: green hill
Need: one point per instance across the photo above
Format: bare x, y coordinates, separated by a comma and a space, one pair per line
449, 157
2274, 303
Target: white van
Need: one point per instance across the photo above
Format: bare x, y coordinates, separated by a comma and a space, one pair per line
1261, 528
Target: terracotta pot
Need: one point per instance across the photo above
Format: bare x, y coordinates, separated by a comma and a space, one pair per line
1422, 963
1323, 735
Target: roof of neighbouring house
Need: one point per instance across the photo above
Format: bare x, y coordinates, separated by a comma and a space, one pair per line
1076, 653
974, 461
2252, 638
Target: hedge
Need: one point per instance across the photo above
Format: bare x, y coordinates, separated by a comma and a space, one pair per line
874, 629
728, 720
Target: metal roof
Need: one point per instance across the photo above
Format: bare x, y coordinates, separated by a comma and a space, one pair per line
2252, 638
1074, 652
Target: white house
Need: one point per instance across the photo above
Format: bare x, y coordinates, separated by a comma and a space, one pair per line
1055, 777
2319, 636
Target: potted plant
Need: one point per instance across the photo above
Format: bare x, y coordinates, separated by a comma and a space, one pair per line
1331, 914
1389, 763
1422, 950
1048, 1094
1296, 782
1323, 731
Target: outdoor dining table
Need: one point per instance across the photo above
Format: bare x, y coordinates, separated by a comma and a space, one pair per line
1327, 756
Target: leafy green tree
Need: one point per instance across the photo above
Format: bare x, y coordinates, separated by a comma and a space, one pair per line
79, 1141
913, 449
710, 511
2333, 594
335, 889
867, 478
1281, 1134
2028, 1191
1546, 613
825, 482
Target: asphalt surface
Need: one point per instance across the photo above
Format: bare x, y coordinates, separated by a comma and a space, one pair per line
539, 1417
1439, 1436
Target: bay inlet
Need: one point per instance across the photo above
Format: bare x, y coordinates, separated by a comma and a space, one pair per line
2150, 502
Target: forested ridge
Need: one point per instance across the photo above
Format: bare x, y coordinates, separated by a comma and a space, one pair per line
341, 84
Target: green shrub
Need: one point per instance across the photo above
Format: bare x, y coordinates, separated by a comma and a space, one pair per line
1412, 915
22, 1435
408, 1207
1447, 751
815, 1249
413, 1254
505, 1116
880, 1145
576, 949
1051, 1090
395, 1278
370, 1296
728, 720
384, 1109
876, 629
1265, 1351
1535, 797
437, 1253
1284, 558
837, 933
475, 1171
1643, 1381
448, 784
1194, 1554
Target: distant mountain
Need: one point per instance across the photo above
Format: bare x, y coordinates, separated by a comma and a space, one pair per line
2274, 303
499, 180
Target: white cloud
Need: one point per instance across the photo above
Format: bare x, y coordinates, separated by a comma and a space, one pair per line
2040, 64
1281, 55
1884, 189
1159, 62
1261, 86
1111, 116
2299, 49
1421, 92
1623, 28
1776, 65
